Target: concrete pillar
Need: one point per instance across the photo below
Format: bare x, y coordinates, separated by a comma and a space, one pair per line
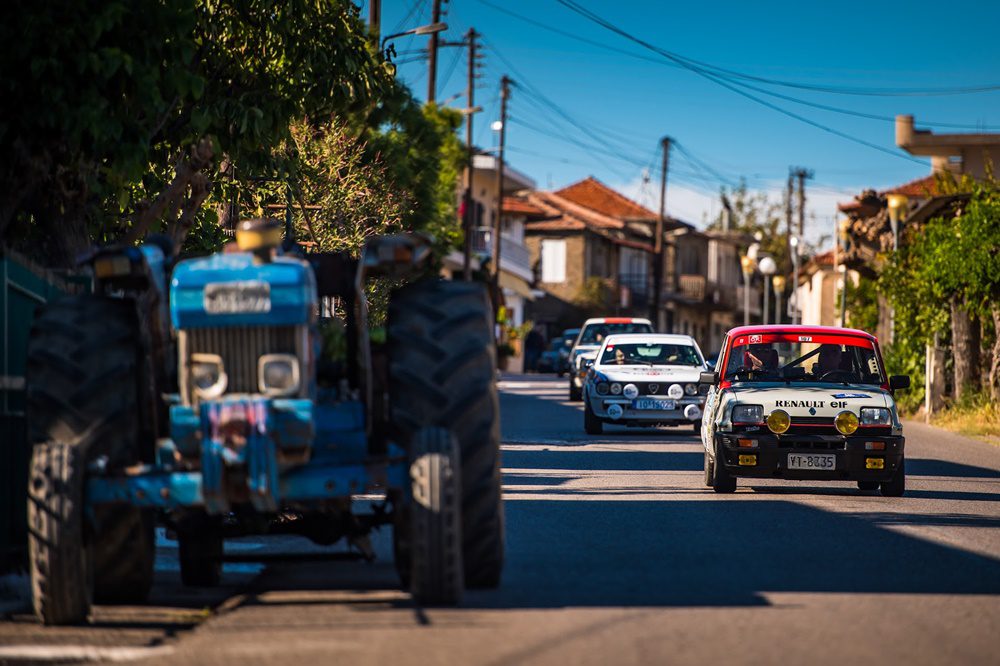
934, 379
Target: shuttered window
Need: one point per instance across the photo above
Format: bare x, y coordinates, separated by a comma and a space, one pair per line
553, 261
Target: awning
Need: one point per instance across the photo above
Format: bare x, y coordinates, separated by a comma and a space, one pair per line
516, 285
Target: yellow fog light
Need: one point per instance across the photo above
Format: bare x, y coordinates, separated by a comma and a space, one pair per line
748, 461
117, 266
846, 423
778, 421
258, 234
874, 463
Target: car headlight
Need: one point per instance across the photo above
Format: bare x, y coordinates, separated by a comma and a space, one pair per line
278, 374
630, 391
846, 423
691, 389
875, 416
778, 421
208, 376
616, 389
748, 413
602, 388
675, 391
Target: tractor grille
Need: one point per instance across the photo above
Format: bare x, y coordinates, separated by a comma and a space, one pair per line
240, 348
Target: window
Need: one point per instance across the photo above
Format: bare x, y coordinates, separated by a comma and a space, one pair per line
553, 260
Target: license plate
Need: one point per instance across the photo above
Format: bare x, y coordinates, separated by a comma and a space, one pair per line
819, 461
237, 297
657, 405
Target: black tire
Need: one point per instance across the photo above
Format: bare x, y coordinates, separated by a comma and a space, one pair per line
722, 480
61, 582
868, 485
89, 386
436, 576
200, 550
575, 394
696, 427
709, 471
896, 486
591, 423
442, 373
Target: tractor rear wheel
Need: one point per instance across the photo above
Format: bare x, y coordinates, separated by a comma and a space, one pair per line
89, 387
442, 373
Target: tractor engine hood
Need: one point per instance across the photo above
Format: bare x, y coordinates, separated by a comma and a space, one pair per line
235, 290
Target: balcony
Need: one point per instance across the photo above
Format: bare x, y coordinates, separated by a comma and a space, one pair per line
514, 257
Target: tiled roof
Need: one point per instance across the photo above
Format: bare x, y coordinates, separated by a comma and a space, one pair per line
595, 195
558, 224
922, 187
522, 206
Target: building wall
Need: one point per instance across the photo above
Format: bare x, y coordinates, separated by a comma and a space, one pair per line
575, 260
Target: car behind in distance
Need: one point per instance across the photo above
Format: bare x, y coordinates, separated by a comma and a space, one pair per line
644, 380
803, 402
591, 337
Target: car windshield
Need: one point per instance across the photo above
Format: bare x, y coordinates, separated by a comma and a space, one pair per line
650, 353
594, 334
791, 357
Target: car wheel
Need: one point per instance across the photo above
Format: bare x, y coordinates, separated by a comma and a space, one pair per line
722, 480
591, 424
575, 394
896, 486
868, 485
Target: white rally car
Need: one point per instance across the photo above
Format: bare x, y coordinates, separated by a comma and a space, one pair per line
643, 380
591, 337
803, 402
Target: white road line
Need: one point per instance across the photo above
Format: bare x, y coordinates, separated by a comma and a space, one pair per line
80, 653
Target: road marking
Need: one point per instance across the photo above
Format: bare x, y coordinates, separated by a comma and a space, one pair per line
81, 653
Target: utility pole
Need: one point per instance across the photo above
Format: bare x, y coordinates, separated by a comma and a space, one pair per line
802, 174
654, 306
790, 192
470, 93
432, 53
497, 224
375, 20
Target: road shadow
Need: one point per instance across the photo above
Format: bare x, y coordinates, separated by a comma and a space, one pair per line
932, 467
593, 460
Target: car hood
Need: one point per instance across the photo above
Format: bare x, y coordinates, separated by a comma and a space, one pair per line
663, 373
812, 399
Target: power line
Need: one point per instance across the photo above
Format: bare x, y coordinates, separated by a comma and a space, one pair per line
582, 11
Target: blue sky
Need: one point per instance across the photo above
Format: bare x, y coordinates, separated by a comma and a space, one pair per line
621, 105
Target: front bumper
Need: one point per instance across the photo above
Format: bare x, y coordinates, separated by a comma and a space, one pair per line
600, 405
770, 457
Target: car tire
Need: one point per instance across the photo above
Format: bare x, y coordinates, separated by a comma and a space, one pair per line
575, 394
696, 427
896, 486
722, 480
592, 425
868, 485
441, 374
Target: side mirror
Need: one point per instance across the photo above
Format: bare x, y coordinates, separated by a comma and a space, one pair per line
897, 382
708, 378
588, 363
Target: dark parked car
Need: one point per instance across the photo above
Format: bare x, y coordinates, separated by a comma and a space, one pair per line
549, 360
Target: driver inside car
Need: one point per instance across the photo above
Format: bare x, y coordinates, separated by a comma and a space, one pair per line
829, 360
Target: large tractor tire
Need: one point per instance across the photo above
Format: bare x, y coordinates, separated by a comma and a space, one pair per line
442, 373
89, 387
435, 519
60, 564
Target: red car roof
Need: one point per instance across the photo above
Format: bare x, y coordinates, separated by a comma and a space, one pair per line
806, 330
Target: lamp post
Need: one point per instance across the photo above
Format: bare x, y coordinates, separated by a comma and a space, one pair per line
747, 263
429, 29
793, 300
897, 204
767, 268
778, 282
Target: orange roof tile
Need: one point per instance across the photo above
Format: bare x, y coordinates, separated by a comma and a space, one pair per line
515, 205
595, 195
925, 187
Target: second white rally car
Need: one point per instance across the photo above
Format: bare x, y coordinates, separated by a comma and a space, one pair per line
644, 380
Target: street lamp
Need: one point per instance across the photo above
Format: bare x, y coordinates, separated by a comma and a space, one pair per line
747, 263
429, 29
778, 282
897, 209
767, 268
793, 299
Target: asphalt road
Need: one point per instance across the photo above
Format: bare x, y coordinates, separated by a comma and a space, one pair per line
618, 554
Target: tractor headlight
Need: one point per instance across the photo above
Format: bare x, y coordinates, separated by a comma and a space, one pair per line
208, 376
748, 413
278, 374
691, 389
875, 416
846, 423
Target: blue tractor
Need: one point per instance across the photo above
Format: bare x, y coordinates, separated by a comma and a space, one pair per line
193, 394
